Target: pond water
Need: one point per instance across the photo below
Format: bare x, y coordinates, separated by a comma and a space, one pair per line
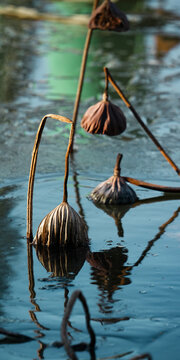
130, 273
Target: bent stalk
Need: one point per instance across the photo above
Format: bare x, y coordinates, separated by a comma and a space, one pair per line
33, 169
149, 133
151, 186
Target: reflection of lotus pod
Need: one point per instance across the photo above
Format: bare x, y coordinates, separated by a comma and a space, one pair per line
109, 270
62, 226
108, 17
115, 190
104, 118
64, 263
117, 212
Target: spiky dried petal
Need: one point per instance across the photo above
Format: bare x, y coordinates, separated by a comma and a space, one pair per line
104, 118
108, 17
63, 227
113, 191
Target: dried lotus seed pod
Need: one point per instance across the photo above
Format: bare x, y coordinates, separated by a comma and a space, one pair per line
104, 118
62, 227
108, 17
114, 190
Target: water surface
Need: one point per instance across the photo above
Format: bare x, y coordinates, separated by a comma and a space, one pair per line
130, 273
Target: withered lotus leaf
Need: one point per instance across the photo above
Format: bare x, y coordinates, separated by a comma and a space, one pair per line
108, 17
104, 118
114, 190
63, 227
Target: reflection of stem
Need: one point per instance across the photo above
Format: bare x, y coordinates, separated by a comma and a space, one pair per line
33, 169
77, 192
149, 133
31, 287
143, 356
76, 295
30, 271
158, 235
81, 77
41, 350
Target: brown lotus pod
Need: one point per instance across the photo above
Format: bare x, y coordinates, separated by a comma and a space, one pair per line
108, 17
104, 118
62, 227
115, 190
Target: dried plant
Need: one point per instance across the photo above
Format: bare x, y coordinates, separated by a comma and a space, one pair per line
109, 78
62, 226
81, 77
104, 118
108, 17
115, 190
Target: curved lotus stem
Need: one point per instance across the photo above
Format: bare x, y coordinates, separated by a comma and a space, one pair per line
33, 169
149, 133
81, 77
148, 185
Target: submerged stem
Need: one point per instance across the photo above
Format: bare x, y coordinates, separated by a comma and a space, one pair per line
149, 133
33, 168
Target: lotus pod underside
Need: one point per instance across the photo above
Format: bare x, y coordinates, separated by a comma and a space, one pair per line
104, 118
114, 191
63, 227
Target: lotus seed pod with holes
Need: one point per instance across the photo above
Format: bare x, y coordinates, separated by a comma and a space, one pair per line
104, 118
108, 17
115, 190
63, 227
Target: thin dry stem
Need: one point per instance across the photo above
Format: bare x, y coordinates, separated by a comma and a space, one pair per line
81, 78
33, 169
106, 85
149, 133
151, 186
117, 165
